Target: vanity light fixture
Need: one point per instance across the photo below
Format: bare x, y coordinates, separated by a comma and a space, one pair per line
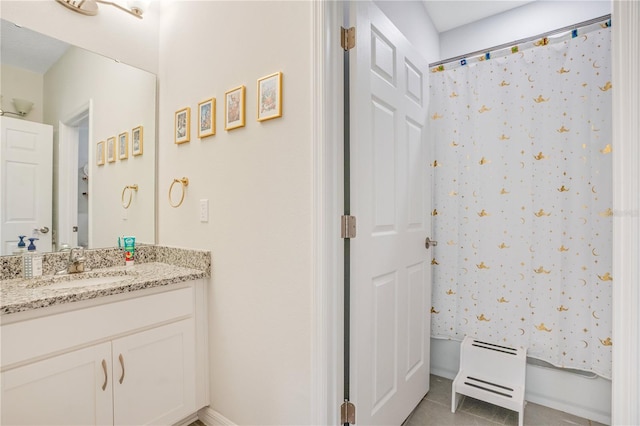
90, 7
22, 107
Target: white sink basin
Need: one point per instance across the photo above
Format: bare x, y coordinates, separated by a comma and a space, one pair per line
85, 282
80, 280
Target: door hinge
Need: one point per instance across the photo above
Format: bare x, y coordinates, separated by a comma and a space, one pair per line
348, 227
348, 38
348, 413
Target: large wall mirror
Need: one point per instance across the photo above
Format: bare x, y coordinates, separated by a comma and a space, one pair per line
78, 169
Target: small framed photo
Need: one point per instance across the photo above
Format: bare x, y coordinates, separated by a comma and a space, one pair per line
111, 149
100, 153
183, 125
234, 108
123, 145
270, 97
137, 140
207, 118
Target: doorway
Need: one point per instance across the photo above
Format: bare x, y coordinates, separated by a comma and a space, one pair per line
73, 180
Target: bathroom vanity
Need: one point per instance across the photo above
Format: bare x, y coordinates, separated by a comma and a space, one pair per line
117, 345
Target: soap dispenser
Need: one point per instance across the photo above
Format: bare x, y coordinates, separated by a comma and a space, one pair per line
22, 247
32, 246
32, 261
27, 265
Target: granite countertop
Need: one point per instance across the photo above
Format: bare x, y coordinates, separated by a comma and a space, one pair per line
19, 295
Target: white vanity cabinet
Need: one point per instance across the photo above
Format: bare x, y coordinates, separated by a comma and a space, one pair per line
154, 375
130, 359
66, 389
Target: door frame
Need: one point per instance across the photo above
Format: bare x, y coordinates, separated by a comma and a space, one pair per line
327, 207
67, 177
626, 219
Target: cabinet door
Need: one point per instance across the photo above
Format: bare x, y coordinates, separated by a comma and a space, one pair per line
70, 389
154, 375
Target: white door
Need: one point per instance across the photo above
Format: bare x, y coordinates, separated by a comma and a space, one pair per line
26, 161
70, 389
154, 375
391, 278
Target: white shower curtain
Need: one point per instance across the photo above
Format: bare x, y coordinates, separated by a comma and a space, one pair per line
523, 197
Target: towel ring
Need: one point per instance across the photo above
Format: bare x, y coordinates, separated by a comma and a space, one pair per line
131, 188
184, 182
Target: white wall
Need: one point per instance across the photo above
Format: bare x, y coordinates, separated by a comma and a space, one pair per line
111, 32
525, 21
122, 97
258, 183
22, 84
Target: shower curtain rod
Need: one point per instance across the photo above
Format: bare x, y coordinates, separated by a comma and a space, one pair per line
524, 40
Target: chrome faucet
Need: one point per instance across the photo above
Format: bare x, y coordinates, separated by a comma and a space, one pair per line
76, 261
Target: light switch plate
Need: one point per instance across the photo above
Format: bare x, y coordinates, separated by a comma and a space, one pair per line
204, 210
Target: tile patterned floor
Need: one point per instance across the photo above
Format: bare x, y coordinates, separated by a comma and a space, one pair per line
435, 409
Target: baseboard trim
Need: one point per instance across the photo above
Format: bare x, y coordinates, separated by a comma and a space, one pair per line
571, 409
211, 417
441, 372
187, 421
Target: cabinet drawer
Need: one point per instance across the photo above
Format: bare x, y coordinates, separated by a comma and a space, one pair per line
25, 340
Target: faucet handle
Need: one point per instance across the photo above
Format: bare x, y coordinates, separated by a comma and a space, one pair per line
74, 255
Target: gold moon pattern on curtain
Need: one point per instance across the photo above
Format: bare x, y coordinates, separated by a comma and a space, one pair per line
522, 174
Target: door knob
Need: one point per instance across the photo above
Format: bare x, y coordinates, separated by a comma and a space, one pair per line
428, 243
42, 230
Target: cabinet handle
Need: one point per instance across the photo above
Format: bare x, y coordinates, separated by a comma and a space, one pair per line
121, 358
104, 368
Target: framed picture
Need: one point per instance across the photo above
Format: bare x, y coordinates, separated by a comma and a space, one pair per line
183, 125
100, 153
123, 145
111, 149
207, 118
137, 141
234, 108
270, 97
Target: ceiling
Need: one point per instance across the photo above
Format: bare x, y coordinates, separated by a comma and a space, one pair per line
449, 14
26, 49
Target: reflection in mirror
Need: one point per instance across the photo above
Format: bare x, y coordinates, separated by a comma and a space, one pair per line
64, 165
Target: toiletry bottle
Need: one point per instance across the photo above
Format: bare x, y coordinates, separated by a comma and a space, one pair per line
27, 265
35, 259
129, 250
22, 247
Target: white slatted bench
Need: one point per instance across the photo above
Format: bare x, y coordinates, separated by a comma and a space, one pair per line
491, 373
